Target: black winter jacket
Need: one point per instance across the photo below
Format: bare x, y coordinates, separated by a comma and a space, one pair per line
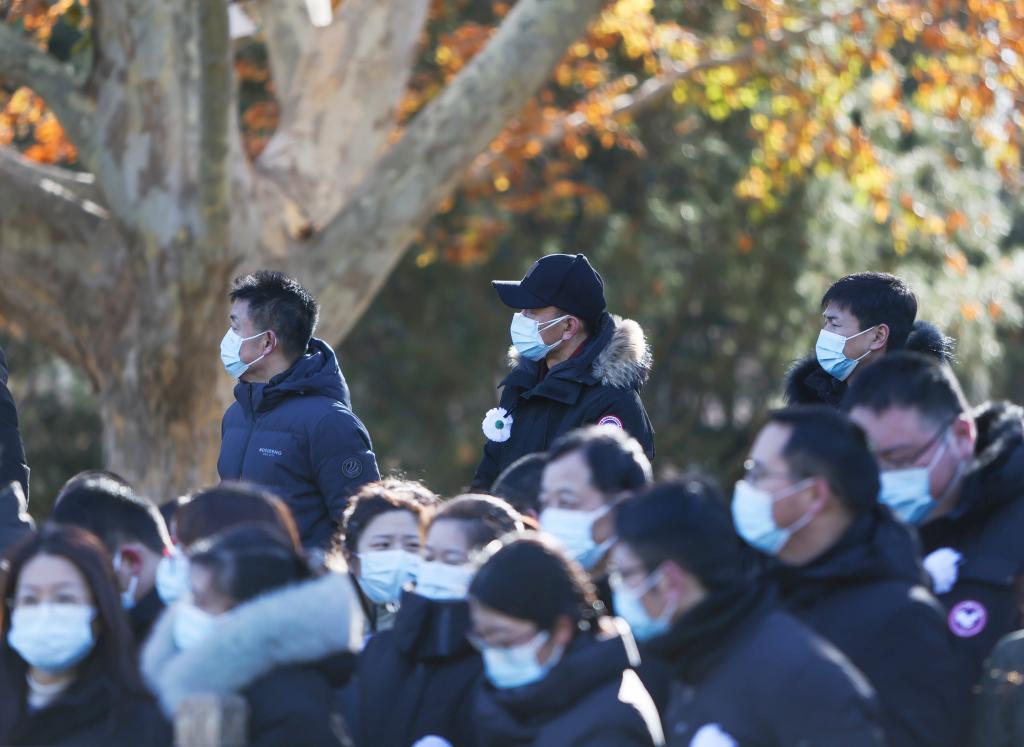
867, 596
599, 384
298, 437
418, 678
742, 670
276, 652
15, 522
88, 714
12, 452
986, 528
999, 708
591, 698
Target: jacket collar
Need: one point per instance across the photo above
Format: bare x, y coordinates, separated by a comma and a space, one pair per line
617, 356
808, 383
299, 623
315, 372
431, 629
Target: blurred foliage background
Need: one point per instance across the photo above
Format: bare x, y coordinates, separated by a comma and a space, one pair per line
720, 163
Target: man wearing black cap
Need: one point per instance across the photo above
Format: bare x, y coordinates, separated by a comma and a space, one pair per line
573, 364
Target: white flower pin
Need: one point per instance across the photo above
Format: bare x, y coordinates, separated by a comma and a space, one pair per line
712, 735
497, 424
942, 567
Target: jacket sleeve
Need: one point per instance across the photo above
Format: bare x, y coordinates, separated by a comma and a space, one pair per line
342, 458
625, 410
12, 451
487, 471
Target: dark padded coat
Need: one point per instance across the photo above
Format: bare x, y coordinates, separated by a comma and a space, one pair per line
986, 528
593, 697
418, 678
867, 596
276, 651
601, 382
298, 437
738, 668
12, 452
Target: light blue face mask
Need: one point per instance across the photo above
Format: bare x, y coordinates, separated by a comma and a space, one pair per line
527, 339
829, 352
231, 353
908, 491
629, 606
755, 523
517, 666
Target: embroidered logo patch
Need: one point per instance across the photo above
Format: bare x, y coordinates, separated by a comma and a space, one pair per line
610, 420
968, 618
352, 467
270, 452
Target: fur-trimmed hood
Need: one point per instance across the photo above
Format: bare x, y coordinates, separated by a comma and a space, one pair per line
618, 355
996, 474
299, 623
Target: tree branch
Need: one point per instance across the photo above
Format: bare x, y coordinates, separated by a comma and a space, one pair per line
339, 88
352, 257
24, 64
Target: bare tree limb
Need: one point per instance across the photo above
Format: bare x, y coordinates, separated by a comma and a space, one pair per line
24, 64
326, 142
352, 257
72, 195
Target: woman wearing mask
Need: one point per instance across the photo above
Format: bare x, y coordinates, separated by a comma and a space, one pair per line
210, 512
417, 679
380, 538
68, 674
259, 626
556, 672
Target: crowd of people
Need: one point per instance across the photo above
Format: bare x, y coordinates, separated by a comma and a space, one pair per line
859, 586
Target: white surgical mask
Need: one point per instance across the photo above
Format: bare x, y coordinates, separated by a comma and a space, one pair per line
52, 637
755, 523
574, 530
907, 492
527, 339
231, 353
172, 576
629, 606
383, 573
128, 595
829, 352
441, 581
517, 666
192, 625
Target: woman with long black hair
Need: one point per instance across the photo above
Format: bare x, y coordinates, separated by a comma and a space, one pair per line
68, 673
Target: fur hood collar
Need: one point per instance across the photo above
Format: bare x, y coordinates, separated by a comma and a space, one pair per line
300, 623
618, 355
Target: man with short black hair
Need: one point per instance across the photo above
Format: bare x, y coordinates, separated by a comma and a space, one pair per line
958, 475
588, 472
849, 570
574, 364
867, 315
291, 428
132, 530
519, 484
724, 664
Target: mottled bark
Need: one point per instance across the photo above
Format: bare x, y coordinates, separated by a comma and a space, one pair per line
125, 270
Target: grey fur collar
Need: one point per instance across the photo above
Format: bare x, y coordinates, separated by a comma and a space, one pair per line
625, 361
300, 623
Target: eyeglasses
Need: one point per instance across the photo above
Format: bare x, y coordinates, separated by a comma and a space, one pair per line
887, 462
754, 472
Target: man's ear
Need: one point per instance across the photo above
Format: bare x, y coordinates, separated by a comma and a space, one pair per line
132, 556
880, 339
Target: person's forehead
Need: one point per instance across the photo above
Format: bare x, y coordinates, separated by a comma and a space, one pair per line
543, 311
397, 522
770, 442
836, 313
486, 619
51, 571
893, 426
569, 470
447, 534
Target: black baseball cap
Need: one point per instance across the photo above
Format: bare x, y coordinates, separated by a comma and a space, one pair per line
562, 280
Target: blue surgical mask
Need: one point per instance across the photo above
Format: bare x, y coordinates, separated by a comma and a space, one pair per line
629, 606
755, 523
908, 491
574, 531
527, 339
231, 353
442, 581
517, 666
383, 573
829, 351
52, 637
172, 576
